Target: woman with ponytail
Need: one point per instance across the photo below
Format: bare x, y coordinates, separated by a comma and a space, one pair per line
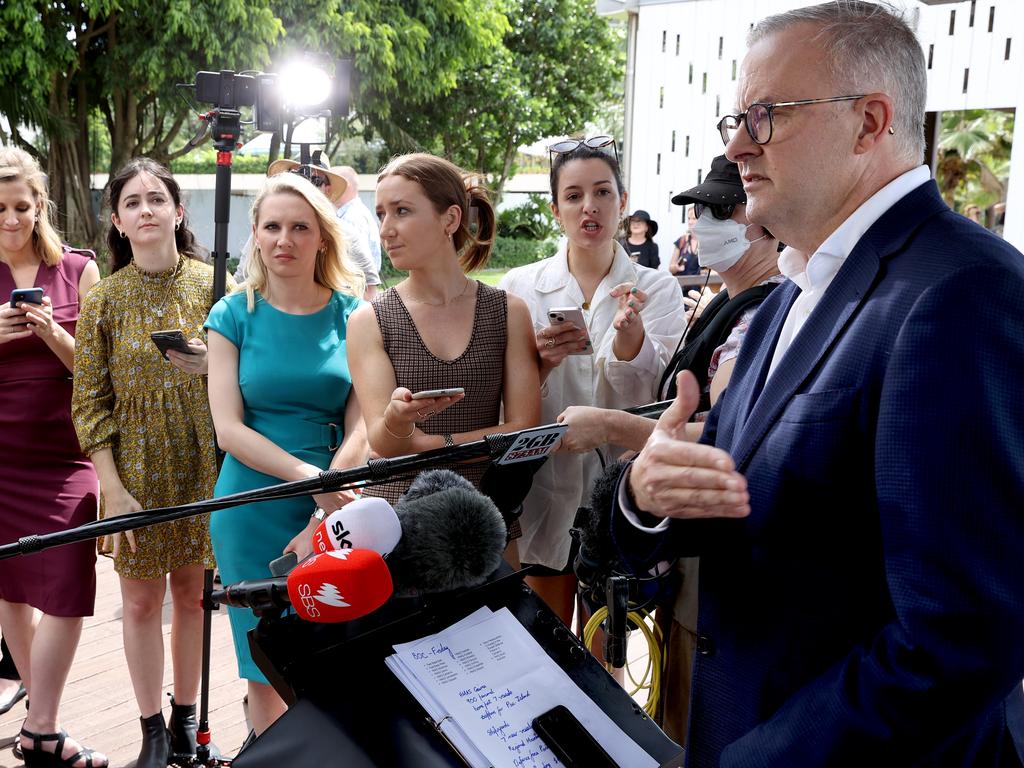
438, 328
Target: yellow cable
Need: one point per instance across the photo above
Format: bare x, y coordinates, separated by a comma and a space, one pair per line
654, 669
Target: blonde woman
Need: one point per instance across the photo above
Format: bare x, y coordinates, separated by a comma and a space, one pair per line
46, 482
281, 394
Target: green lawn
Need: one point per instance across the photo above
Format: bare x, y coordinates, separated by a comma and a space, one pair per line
489, 276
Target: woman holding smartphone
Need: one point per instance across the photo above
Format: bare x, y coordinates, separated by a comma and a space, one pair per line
46, 482
281, 395
631, 318
438, 328
144, 421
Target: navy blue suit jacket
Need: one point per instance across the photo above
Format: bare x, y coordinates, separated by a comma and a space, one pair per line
870, 610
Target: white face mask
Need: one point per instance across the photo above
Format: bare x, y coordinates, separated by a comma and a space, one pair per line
720, 244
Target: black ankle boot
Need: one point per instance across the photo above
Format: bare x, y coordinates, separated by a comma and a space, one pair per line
183, 727
155, 742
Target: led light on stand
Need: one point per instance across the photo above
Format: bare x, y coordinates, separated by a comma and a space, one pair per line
303, 86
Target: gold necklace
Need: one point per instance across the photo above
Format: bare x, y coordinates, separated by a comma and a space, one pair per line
443, 303
160, 309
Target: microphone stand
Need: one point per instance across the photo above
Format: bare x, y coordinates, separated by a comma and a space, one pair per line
373, 472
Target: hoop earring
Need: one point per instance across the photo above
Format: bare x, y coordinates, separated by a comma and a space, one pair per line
177, 226
123, 235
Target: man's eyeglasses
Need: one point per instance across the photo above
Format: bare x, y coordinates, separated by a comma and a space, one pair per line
720, 212
759, 118
594, 142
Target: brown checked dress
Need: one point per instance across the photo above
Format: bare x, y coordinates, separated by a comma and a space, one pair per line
480, 370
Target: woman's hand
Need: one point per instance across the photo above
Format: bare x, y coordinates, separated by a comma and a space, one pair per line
302, 544
13, 324
402, 412
195, 363
557, 341
116, 503
40, 319
631, 302
696, 302
334, 500
588, 428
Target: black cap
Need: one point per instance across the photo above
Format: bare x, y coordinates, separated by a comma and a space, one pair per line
722, 186
642, 215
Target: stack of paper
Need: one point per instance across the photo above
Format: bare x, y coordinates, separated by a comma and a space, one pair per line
484, 679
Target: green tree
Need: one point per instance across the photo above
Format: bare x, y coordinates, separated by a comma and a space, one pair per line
120, 58
406, 52
558, 63
974, 157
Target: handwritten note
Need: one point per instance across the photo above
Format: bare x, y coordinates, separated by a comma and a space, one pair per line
488, 678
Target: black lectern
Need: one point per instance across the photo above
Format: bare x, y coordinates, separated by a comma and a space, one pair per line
345, 705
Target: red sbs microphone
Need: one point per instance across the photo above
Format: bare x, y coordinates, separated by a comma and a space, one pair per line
339, 586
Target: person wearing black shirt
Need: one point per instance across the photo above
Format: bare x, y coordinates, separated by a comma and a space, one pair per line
640, 243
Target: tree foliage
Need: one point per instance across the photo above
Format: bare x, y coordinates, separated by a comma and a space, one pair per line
557, 64
120, 58
974, 157
469, 79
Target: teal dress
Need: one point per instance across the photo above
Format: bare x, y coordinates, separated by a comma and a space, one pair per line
294, 379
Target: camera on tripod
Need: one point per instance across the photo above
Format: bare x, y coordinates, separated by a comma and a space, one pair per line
313, 86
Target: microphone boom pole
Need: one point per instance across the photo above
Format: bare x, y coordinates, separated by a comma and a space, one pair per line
373, 472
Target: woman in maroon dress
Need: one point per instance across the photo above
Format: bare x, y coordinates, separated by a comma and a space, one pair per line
46, 483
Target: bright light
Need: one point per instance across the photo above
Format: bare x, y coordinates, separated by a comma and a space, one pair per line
302, 85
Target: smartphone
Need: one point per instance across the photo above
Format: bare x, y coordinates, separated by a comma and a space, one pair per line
28, 295
569, 740
572, 315
438, 393
175, 340
283, 565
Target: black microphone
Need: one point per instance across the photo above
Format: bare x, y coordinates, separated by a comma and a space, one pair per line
604, 579
453, 536
596, 557
258, 594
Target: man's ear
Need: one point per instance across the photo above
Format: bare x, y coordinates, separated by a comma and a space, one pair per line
876, 115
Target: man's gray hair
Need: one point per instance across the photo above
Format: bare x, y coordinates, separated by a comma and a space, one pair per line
869, 47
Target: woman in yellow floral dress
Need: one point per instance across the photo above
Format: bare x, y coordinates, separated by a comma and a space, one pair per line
145, 423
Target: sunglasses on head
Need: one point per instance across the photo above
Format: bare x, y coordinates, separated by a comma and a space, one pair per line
720, 212
594, 142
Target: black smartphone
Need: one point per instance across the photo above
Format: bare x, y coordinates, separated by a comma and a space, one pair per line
569, 740
27, 295
175, 340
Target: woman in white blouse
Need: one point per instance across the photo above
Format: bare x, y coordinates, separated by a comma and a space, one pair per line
633, 317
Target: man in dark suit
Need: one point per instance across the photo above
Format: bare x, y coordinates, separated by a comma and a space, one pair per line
857, 498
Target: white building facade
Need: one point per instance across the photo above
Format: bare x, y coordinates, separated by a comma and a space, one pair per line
683, 65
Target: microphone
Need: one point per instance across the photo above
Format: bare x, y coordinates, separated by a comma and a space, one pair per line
453, 536
367, 523
604, 579
327, 588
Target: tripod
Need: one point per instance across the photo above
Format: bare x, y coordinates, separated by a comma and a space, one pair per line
226, 128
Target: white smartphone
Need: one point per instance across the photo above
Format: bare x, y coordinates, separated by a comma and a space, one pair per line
438, 393
572, 315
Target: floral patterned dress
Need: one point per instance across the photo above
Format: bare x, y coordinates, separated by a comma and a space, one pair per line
154, 417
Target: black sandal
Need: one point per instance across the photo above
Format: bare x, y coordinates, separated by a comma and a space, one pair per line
36, 757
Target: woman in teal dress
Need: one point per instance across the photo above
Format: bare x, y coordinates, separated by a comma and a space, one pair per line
280, 394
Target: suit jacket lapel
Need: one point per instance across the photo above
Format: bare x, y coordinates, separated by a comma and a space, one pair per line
762, 400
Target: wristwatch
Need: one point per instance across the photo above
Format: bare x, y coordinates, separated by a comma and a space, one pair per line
319, 514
